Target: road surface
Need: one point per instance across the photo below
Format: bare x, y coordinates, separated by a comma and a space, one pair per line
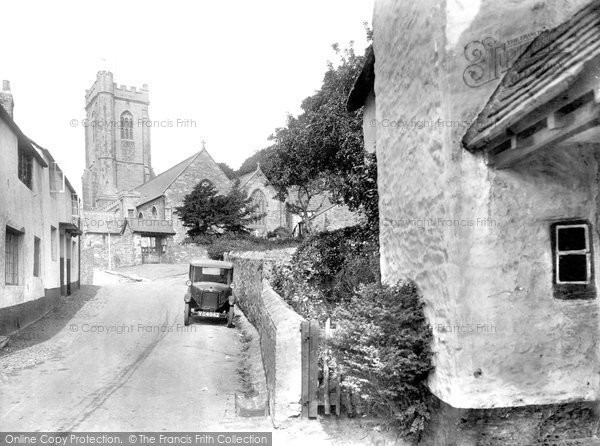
119, 358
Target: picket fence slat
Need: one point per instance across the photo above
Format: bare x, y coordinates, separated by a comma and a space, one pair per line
305, 366
314, 394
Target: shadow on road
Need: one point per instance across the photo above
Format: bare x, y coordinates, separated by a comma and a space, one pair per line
52, 323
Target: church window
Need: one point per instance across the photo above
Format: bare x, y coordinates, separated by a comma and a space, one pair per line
260, 201
126, 125
141, 216
205, 183
154, 212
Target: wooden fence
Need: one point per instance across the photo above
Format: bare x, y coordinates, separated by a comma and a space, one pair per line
318, 390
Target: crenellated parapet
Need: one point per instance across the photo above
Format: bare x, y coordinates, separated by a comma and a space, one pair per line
105, 84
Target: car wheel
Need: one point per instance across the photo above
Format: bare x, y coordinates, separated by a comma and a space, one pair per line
230, 315
186, 315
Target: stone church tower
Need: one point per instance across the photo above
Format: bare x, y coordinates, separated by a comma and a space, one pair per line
117, 141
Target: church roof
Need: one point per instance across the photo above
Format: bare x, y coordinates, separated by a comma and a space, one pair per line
548, 65
244, 179
158, 185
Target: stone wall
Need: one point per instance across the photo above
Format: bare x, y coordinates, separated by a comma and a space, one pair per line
123, 250
279, 329
182, 252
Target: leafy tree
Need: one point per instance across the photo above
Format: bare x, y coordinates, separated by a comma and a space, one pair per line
322, 149
204, 211
264, 157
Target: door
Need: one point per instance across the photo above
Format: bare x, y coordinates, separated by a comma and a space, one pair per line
151, 249
68, 277
63, 288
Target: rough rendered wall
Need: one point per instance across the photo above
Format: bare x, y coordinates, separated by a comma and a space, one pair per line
475, 240
279, 329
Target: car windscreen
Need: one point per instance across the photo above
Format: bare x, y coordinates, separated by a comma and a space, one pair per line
209, 274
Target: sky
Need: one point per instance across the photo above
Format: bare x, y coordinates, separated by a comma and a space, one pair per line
233, 69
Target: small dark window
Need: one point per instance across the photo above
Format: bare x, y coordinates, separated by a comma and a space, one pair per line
36, 257
573, 261
25, 168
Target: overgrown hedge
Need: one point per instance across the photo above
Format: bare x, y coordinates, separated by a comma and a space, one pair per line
383, 348
327, 269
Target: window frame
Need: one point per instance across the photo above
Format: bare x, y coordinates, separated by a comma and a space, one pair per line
15, 279
74, 205
259, 199
126, 124
25, 168
567, 290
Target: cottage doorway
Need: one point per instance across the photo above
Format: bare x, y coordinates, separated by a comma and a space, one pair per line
63, 289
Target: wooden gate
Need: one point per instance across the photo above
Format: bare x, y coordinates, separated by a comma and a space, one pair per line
318, 390
150, 254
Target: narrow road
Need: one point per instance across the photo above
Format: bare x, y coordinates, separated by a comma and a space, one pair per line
121, 360
117, 357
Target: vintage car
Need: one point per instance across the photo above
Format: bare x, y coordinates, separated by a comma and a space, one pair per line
210, 291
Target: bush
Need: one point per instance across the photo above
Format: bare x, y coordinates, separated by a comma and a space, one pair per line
327, 269
279, 232
382, 345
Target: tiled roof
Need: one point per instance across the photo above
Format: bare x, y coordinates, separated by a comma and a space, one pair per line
157, 186
24, 141
553, 59
151, 226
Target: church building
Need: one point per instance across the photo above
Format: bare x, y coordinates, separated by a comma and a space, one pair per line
129, 216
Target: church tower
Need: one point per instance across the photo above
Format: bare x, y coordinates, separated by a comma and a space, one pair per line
117, 140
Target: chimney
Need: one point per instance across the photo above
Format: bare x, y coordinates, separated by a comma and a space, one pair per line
6, 98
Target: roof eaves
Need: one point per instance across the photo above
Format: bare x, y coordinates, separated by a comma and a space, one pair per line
364, 84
